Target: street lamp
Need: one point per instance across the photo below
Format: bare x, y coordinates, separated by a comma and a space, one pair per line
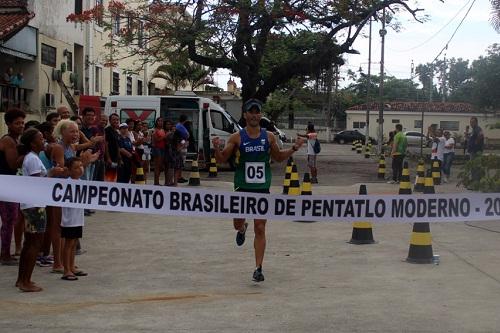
382, 33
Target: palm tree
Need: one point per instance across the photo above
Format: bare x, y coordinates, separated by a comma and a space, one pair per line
495, 14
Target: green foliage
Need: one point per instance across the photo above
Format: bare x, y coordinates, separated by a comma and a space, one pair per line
476, 83
265, 43
180, 71
488, 169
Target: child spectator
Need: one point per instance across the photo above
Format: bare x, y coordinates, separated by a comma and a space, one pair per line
72, 226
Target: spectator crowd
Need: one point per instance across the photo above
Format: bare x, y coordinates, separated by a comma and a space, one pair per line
76, 147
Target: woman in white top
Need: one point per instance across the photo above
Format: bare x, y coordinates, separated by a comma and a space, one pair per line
32, 142
449, 154
311, 137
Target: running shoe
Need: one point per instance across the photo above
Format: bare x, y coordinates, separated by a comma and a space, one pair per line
240, 236
257, 275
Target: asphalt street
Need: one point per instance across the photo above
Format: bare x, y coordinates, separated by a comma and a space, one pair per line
151, 273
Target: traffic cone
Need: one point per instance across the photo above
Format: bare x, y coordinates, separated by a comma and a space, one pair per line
353, 147
381, 167
306, 188
139, 176
362, 231
419, 182
194, 177
404, 182
367, 152
436, 172
288, 173
294, 188
359, 147
212, 170
420, 251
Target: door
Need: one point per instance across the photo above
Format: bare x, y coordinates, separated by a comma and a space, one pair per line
220, 126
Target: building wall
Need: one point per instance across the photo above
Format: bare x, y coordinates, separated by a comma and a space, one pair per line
407, 119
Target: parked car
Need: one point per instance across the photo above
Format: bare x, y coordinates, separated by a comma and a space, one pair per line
349, 136
414, 137
271, 127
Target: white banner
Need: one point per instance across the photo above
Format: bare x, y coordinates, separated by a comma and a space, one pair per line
455, 207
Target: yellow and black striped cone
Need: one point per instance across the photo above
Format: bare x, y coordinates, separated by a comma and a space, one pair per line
212, 170
353, 147
139, 176
306, 188
420, 251
194, 177
436, 171
288, 174
367, 152
404, 182
381, 167
362, 231
359, 147
294, 188
420, 180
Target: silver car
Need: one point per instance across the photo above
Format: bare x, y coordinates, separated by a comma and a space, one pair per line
414, 138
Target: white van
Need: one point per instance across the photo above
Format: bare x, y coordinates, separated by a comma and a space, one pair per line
208, 118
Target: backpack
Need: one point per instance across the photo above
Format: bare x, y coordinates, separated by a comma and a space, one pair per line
317, 147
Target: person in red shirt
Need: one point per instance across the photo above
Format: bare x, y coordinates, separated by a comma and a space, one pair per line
158, 149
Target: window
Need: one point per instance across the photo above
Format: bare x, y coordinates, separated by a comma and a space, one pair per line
98, 74
116, 83
78, 6
449, 125
48, 55
129, 85
220, 122
69, 61
99, 20
151, 88
358, 124
396, 121
417, 124
116, 25
139, 87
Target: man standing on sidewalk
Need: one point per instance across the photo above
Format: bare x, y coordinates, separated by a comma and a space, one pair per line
475, 145
398, 153
253, 171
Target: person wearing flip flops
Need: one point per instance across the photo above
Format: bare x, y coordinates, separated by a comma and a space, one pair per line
72, 226
256, 147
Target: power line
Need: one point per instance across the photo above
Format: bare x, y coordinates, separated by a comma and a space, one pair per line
436, 33
453, 35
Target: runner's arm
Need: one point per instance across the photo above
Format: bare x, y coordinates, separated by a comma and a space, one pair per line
232, 143
282, 155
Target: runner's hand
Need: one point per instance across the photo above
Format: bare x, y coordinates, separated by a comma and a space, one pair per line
216, 142
299, 142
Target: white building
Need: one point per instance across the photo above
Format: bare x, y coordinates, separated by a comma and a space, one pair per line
453, 117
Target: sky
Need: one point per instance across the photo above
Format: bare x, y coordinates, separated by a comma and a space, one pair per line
414, 42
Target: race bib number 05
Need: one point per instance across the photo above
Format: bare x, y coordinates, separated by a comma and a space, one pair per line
255, 172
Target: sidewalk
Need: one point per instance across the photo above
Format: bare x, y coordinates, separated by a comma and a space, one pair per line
169, 274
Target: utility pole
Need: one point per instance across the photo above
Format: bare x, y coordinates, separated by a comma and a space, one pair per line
382, 33
368, 83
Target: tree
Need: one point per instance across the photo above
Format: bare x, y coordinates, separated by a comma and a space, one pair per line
495, 14
485, 79
180, 71
265, 43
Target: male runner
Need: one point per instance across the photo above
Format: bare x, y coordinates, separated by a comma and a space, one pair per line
253, 172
